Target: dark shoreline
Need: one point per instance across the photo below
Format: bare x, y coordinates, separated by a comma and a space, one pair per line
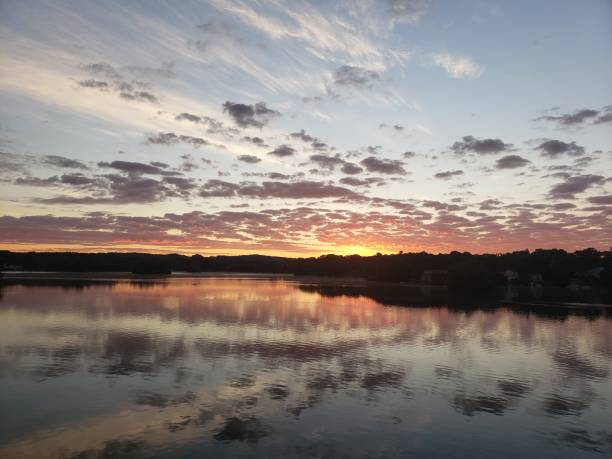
461, 271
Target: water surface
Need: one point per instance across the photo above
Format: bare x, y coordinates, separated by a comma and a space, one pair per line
263, 367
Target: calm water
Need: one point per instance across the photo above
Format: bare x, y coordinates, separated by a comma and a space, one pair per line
238, 367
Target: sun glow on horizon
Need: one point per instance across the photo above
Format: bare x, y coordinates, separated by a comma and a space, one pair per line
197, 135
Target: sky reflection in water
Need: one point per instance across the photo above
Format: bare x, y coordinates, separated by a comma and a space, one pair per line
274, 368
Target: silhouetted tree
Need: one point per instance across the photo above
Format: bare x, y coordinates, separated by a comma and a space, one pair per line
464, 270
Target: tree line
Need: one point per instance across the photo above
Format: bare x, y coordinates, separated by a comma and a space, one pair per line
455, 269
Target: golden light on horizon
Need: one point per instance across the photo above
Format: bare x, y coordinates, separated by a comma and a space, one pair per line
307, 251
334, 151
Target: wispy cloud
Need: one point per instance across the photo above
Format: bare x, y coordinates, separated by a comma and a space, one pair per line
455, 66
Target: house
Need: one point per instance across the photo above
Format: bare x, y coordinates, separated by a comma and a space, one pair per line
12, 268
536, 279
434, 277
592, 274
588, 277
511, 276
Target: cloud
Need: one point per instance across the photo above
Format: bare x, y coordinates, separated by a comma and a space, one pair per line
221, 32
354, 181
306, 138
218, 189
142, 96
245, 115
36, 181
165, 70
295, 190
351, 169
78, 179
320, 146
188, 117
580, 117
250, 159
561, 206
605, 200
62, 162
279, 176
75, 179
188, 164
407, 11
170, 138
606, 117
133, 167
490, 204
282, 151
327, 162
96, 84
274, 175
311, 28
124, 191
12, 163
446, 175
127, 186
573, 185
455, 66
213, 126
556, 148
584, 161
256, 141
397, 225
121, 189
182, 184
470, 144
320, 38
133, 90
359, 77
103, 69
383, 166
301, 135
511, 162
571, 119
395, 127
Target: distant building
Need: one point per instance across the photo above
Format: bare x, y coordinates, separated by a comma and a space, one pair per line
12, 268
588, 277
511, 276
593, 274
434, 276
536, 279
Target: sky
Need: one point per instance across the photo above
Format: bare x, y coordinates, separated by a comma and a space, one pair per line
298, 128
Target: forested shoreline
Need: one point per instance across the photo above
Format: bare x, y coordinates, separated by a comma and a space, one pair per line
455, 269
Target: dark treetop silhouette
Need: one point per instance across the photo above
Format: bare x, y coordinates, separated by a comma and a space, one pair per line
457, 270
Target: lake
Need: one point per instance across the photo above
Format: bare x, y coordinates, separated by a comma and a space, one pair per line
246, 366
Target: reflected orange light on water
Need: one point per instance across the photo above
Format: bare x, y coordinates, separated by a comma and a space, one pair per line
173, 362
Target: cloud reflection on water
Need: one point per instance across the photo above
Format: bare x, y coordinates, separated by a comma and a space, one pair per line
165, 366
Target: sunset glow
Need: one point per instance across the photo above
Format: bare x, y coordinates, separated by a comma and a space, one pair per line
299, 128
